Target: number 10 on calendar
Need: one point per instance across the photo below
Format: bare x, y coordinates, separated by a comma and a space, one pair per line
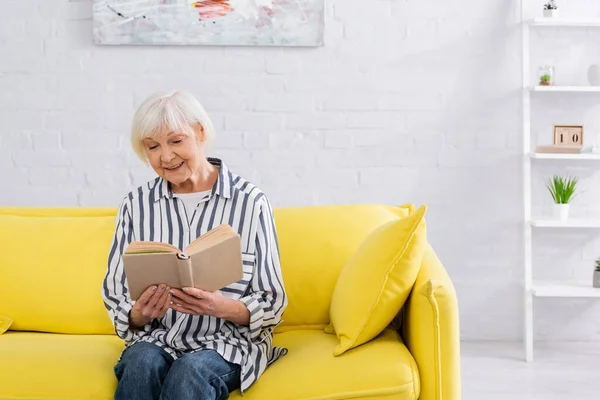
568, 135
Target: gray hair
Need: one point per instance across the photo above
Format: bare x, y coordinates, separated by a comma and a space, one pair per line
167, 111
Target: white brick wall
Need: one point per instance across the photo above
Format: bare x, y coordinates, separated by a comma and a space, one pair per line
408, 101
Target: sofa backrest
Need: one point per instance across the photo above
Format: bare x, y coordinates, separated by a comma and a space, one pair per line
315, 244
53, 260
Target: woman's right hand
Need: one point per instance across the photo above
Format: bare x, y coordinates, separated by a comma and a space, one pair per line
153, 303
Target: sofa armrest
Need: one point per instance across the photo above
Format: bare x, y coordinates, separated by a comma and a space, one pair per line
430, 327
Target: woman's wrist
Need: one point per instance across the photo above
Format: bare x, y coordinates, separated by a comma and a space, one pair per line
236, 312
137, 320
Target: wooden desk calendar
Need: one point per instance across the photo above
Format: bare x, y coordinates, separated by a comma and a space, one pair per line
567, 136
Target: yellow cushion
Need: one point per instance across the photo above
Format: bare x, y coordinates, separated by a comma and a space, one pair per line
315, 244
5, 323
52, 270
381, 369
376, 282
55, 366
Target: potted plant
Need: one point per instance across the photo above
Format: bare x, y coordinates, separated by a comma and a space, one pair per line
546, 74
562, 190
597, 274
545, 80
550, 9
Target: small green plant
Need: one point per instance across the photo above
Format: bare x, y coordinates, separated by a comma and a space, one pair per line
545, 80
562, 189
598, 265
551, 5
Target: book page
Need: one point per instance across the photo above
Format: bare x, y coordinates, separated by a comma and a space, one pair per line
210, 238
138, 247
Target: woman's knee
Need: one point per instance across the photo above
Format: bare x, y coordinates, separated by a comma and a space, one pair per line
143, 359
203, 376
188, 367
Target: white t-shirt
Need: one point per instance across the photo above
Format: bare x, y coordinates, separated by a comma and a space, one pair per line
191, 200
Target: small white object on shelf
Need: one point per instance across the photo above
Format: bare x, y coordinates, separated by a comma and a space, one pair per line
569, 223
550, 9
550, 13
561, 211
564, 289
593, 75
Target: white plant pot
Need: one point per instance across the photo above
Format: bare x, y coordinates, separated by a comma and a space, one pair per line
594, 75
596, 279
550, 13
561, 211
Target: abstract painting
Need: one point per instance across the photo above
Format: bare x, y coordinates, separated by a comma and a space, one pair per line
209, 22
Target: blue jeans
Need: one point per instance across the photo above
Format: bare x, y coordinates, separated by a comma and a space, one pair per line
146, 371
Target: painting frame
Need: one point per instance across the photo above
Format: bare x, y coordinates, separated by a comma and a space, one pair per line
257, 23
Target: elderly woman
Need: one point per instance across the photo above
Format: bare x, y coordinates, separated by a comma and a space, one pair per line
189, 343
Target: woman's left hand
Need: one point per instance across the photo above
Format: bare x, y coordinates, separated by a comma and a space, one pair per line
199, 302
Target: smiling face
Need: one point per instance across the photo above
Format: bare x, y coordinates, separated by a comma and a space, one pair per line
175, 156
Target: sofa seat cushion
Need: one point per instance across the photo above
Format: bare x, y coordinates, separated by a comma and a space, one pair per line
56, 366
380, 369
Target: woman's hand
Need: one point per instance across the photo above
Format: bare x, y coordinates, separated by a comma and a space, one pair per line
199, 302
153, 303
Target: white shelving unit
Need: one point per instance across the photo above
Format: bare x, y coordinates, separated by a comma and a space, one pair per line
551, 156
567, 89
565, 22
571, 223
572, 289
532, 287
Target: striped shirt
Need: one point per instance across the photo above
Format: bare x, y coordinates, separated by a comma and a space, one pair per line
153, 212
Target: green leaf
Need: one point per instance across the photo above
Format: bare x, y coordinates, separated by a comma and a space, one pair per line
562, 189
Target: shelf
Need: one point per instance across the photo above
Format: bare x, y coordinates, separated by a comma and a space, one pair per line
565, 288
558, 22
570, 223
565, 156
571, 89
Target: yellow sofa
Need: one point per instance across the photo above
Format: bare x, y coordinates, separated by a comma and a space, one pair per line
60, 343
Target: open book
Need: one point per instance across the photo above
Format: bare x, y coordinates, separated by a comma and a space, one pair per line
211, 262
